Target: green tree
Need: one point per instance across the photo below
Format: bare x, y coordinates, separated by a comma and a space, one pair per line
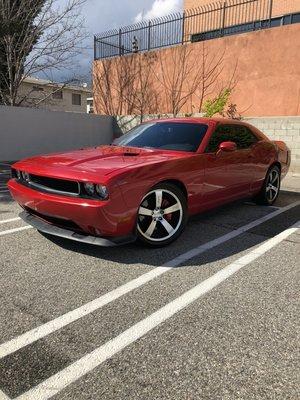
217, 105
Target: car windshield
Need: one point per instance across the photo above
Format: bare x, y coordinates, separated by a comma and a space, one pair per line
165, 135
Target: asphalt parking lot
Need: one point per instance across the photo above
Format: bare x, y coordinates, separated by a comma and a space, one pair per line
213, 316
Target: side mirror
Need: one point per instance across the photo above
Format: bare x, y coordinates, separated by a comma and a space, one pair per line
227, 146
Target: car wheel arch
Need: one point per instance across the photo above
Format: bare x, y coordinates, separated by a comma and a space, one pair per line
180, 185
275, 164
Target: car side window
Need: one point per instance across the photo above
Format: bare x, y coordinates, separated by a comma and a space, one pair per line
238, 134
221, 134
245, 138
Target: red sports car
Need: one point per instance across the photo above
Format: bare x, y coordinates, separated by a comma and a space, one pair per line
147, 183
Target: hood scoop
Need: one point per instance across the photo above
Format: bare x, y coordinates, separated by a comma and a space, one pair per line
130, 154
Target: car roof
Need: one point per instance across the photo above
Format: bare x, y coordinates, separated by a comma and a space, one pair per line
200, 120
212, 121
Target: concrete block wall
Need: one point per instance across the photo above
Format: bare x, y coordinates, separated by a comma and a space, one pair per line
286, 129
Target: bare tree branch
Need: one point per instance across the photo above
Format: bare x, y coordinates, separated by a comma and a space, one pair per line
49, 37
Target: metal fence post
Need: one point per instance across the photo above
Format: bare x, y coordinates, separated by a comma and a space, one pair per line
270, 12
120, 42
149, 35
183, 27
223, 18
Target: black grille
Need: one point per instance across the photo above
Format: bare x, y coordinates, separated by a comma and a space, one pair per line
53, 184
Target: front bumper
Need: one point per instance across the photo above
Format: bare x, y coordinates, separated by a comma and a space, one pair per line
95, 218
45, 227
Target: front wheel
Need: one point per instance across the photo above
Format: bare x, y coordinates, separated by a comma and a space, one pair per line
271, 187
162, 215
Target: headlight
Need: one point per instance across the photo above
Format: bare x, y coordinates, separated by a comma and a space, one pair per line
96, 190
89, 188
102, 192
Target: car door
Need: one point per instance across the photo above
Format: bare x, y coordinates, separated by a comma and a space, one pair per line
246, 160
228, 175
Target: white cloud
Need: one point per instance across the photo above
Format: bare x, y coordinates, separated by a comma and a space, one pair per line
159, 8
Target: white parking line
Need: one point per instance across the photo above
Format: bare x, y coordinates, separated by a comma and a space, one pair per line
3, 396
65, 319
78, 369
9, 231
5, 221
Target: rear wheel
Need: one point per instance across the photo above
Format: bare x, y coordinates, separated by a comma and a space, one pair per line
271, 187
162, 215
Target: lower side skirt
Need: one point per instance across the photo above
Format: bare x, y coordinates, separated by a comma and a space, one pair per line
45, 227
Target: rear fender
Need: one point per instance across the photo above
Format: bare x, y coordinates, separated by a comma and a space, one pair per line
283, 155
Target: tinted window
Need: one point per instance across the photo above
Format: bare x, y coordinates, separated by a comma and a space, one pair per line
238, 134
165, 135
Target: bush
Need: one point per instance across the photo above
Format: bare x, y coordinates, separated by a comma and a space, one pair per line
217, 105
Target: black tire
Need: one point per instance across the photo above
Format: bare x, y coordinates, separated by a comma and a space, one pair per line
268, 196
162, 234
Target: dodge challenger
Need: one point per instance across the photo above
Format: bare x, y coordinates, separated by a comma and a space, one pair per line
147, 182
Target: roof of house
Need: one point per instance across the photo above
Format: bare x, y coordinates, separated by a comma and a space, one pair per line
71, 86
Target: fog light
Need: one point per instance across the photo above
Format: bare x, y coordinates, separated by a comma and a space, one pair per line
89, 188
102, 192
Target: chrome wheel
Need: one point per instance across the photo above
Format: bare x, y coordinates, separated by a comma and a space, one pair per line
273, 184
160, 215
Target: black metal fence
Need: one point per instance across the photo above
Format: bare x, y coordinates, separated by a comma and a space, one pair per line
206, 22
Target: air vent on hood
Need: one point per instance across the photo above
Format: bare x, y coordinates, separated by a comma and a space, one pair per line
130, 154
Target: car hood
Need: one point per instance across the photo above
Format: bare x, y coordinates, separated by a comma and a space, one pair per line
101, 161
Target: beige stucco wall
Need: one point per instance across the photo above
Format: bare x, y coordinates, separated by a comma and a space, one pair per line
268, 70
280, 7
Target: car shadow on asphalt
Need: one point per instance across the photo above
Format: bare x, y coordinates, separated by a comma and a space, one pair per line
4, 194
201, 229
5, 199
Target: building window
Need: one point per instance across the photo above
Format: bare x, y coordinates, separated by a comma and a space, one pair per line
76, 99
37, 89
57, 95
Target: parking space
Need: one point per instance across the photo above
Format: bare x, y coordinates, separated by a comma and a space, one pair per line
212, 316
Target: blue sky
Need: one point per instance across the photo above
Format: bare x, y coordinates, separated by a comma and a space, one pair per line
102, 15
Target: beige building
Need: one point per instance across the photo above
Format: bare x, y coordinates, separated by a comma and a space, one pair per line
54, 96
280, 7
